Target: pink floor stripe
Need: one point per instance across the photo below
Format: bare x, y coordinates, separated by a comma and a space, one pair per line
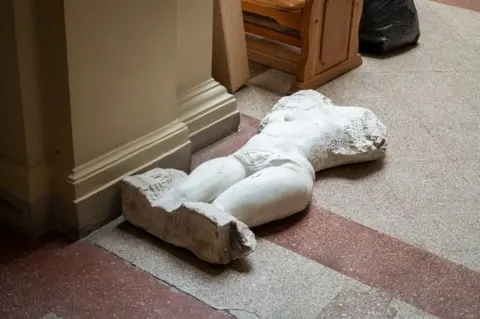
84, 281
431, 283
412, 274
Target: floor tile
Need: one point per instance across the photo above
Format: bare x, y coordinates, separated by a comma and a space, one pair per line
448, 110
387, 217
357, 85
352, 184
411, 141
406, 311
470, 170
458, 142
464, 22
420, 59
429, 181
431, 283
413, 86
359, 303
255, 102
85, 281
14, 245
273, 282
327, 90
274, 81
256, 68
444, 91
449, 229
466, 4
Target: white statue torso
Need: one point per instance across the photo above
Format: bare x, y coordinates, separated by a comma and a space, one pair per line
308, 127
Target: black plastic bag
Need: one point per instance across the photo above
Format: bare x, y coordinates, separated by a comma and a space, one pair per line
387, 25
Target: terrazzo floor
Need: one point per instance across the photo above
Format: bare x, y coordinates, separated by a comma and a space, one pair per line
392, 239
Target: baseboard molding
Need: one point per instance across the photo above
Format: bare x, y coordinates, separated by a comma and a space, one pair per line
99, 207
209, 112
94, 196
102, 170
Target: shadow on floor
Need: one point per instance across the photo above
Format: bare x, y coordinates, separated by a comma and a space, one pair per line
14, 245
240, 265
352, 171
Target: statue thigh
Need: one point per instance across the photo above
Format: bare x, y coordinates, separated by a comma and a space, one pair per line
270, 194
210, 179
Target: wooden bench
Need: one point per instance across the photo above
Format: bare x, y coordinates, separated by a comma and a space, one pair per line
316, 40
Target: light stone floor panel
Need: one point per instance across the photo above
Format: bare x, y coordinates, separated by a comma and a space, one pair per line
406, 311
451, 229
458, 141
364, 302
470, 170
255, 101
274, 283
466, 23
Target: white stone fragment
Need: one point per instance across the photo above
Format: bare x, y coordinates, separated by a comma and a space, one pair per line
212, 235
269, 178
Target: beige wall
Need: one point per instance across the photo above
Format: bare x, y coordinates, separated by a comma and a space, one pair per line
24, 170
194, 45
111, 92
11, 115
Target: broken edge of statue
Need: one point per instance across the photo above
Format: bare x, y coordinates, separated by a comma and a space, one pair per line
212, 235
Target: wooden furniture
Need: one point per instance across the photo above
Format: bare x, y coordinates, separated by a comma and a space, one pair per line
317, 40
229, 60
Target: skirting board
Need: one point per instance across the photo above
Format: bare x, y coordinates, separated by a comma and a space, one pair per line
209, 112
80, 217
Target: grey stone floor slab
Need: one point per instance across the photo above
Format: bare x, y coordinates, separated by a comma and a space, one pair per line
255, 102
274, 81
429, 181
359, 303
357, 84
364, 302
450, 229
273, 282
406, 311
387, 217
470, 170
465, 23
458, 141
354, 184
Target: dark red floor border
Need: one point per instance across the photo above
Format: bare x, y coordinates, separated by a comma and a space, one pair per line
82, 280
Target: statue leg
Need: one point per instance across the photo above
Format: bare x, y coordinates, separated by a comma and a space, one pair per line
176, 208
205, 183
270, 194
211, 178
